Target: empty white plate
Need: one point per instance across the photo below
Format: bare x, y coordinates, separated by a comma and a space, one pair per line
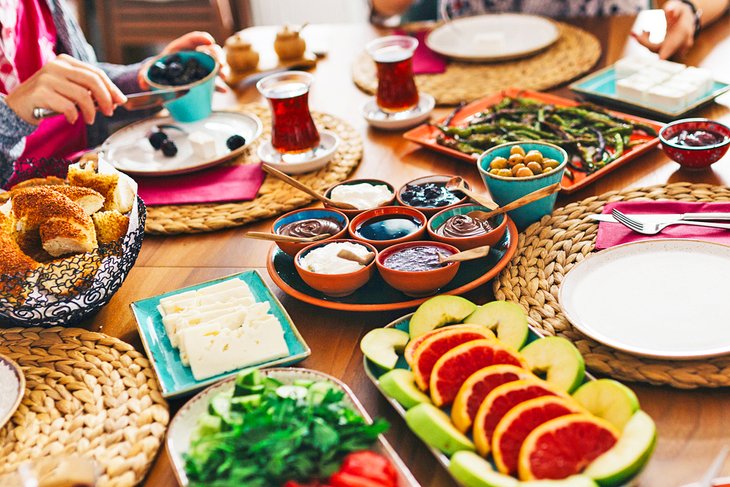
494, 37
398, 120
301, 163
130, 151
663, 298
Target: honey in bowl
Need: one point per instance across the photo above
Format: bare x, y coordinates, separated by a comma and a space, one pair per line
417, 258
387, 227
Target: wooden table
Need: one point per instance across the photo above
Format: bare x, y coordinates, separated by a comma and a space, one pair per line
692, 424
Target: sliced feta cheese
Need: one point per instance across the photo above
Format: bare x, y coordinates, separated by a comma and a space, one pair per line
226, 317
634, 87
668, 66
655, 75
198, 300
629, 65
665, 97
189, 315
691, 92
203, 144
700, 77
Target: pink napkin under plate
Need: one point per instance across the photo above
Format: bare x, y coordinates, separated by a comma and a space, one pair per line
612, 234
425, 61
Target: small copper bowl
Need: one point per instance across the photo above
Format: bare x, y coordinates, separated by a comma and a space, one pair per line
490, 238
292, 248
335, 285
388, 211
429, 210
375, 182
417, 283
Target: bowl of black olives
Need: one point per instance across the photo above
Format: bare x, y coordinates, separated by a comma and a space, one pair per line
193, 70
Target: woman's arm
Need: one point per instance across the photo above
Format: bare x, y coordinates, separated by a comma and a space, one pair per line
13, 131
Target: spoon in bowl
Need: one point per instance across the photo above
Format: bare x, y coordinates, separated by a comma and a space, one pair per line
275, 237
525, 200
471, 254
301, 187
349, 255
457, 184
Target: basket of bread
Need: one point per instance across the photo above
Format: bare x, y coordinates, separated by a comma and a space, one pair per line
69, 234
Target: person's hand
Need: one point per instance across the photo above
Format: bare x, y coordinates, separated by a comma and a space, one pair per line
67, 86
680, 31
194, 41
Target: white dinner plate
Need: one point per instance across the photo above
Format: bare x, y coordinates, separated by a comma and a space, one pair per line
664, 299
494, 37
130, 151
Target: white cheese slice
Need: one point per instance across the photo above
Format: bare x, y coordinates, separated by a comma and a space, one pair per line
700, 77
668, 66
201, 299
629, 65
203, 145
634, 87
205, 312
655, 75
665, 97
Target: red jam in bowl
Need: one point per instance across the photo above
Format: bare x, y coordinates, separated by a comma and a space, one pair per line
697, 138
418, 258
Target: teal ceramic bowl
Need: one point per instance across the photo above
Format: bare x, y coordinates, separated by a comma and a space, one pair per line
505, 190
197, 104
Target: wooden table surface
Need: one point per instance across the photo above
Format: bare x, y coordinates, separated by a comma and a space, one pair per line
691, 424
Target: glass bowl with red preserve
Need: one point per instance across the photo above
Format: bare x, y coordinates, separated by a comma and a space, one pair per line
413, 267
429, 195
695, 143
309, 222
455, 227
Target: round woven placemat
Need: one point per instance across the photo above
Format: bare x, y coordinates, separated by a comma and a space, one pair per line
550, 248
573, 54
86, 394
275, 197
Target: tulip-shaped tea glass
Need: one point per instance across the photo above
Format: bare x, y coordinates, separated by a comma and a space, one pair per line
393, 56
293, 133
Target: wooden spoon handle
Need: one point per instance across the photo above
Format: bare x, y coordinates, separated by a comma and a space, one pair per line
301, 187
475, 253
275, 237
477, 198
348, 255
526, 200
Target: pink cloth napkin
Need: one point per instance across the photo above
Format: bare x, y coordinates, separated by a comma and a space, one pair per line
611, 234
425, 61
230, 183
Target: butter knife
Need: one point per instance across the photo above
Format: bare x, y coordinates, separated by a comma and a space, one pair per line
701, 217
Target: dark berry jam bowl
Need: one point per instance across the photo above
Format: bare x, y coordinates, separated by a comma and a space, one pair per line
490, 236
293, 217
375, 182
694, 157
430, 209
417, 283
197, 104
335, 285
388, 225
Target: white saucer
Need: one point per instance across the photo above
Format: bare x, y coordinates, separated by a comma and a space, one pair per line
311, 161
16, 395
399, 120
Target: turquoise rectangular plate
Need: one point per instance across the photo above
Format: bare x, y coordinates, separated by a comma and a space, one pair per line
177, 379
601, 86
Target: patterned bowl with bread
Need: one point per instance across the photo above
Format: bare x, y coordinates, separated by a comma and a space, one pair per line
69, 235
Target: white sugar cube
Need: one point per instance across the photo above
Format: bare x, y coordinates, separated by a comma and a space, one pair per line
634, 87
665, 97
203, 144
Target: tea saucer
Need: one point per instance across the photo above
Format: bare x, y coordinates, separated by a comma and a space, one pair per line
399, 120
310, 161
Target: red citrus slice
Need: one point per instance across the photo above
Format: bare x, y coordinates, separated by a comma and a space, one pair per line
519, 422
429, 350
475, 389
564, 446
456, 365
499, 402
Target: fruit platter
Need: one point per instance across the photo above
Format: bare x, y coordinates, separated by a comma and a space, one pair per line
501, 406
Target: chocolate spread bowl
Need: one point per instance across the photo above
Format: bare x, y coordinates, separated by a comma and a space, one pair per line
429, 195
453, 226
413, 269
309, 222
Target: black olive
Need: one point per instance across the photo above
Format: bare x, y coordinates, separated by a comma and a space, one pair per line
235, 141
169, 149
156, 139
174, 70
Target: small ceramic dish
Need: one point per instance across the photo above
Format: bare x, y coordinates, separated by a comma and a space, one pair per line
694, 157
15, 394
505, 190
375, 182
439, 179
319, 157
292, 248
417, 283
335, 285
399, 120
406, 224
473, 236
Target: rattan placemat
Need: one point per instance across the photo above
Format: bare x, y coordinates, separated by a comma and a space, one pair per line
86, 394
573, 54
550, 248
275, 197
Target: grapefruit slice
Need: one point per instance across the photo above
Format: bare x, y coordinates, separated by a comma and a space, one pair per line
499, 402
475, 389
436, 345
519, 421
456, 365
415, 342
565, 446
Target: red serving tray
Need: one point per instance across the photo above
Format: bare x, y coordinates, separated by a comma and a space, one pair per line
425, 134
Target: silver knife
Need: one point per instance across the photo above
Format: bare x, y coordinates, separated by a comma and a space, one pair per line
663, 217
135, 101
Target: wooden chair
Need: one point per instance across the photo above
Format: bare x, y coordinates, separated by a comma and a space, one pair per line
145, 22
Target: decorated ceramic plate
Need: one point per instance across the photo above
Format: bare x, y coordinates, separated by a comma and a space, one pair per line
184, 423
175, 378
129, 149
12, 389
376, 295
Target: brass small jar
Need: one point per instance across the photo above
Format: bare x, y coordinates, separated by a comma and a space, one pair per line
239, 54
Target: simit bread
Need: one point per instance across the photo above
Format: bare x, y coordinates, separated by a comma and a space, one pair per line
47, 181
88, 199
115, 188
13, 262
111, 226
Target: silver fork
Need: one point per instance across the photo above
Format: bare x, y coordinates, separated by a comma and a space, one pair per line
654, 228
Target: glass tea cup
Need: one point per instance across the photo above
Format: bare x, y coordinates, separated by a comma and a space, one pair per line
293, 133
393, 56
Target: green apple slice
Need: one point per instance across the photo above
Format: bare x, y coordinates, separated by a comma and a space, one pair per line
401, 386
558, 359
382, 345
628, 456
609, 400
572, 481
434, 427
507, 320
439, 311
471, 470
